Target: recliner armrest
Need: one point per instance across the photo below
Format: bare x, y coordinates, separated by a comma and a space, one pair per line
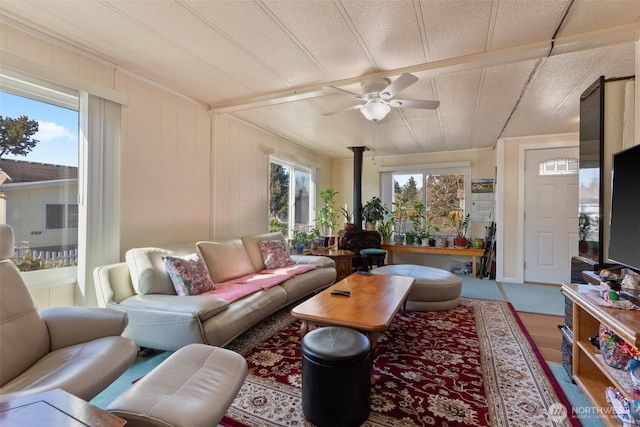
74, 325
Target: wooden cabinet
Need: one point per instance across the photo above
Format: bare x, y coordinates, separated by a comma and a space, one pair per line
590, 372
342, 258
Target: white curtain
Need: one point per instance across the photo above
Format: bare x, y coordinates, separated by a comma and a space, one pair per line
99, 190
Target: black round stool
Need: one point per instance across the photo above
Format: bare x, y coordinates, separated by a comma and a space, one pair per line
336, 377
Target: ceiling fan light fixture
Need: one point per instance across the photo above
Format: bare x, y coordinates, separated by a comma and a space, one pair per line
375, 111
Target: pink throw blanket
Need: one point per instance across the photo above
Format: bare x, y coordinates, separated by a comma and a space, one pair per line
235, 289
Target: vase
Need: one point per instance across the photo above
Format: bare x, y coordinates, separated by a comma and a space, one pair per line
299, 249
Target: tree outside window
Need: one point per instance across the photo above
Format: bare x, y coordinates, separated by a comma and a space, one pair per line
444, 193
290, 201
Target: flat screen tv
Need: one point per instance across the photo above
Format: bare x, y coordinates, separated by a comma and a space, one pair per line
624, 239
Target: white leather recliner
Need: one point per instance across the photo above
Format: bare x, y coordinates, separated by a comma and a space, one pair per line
77, 349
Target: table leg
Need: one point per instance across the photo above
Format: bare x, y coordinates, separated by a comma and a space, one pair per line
473, 266
304, 328
373, 339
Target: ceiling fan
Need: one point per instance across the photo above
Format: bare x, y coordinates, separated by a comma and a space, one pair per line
378, 95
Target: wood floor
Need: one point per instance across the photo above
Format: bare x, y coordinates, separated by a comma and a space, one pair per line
545, 333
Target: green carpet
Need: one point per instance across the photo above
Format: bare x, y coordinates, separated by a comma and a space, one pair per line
578, 400
140, 367
472, 287
530, 298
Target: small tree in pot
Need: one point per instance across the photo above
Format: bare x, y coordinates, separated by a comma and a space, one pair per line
327, 213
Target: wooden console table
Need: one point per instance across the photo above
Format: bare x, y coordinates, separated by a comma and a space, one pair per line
55, 408
471, 252
590, 371
341, 257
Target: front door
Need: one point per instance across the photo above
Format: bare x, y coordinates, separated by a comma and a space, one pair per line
551, 214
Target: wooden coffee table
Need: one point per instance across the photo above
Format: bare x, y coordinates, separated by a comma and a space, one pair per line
375, 299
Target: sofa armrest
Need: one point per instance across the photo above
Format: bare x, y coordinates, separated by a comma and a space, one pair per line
200, 306
320, 261
74, 325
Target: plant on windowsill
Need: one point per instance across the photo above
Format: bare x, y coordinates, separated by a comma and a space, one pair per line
302, 238
416, 214
431, 230
385, 227
459, 222
401, 216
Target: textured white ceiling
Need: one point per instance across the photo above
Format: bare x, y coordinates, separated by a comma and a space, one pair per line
489, 63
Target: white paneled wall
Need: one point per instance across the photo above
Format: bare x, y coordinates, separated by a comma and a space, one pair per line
241, 176
166, 151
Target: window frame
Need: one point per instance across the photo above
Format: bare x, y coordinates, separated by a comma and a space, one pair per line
293, 166
459, 168
66, 216
47, 92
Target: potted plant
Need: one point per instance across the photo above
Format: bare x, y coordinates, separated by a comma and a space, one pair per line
431, 229
385, 227
348, 219
460, 222
401, 216
416, 215
372, 212
584, 230
302, 238
327, 213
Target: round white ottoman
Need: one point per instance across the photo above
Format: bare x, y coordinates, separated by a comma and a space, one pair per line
434, 289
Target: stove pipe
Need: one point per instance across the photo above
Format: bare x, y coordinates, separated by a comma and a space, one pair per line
357, 185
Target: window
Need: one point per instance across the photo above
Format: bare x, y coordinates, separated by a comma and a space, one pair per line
437, 190
559, 167
39, 195
60, 216
290, 202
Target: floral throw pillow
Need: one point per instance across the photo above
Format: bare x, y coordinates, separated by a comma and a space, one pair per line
274, 253
189, 274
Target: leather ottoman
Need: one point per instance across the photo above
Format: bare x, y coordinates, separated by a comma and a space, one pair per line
336, 377
434, 289
193, 387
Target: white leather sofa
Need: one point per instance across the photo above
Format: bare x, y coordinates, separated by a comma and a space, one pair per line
162, 320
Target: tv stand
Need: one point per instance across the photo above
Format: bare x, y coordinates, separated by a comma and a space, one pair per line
590, 372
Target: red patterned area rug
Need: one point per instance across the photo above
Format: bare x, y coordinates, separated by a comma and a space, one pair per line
471, 366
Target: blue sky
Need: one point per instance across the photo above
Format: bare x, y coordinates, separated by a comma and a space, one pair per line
57, 129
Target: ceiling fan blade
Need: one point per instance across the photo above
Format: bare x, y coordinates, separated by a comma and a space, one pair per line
398, 85
414, 103
342, 91
353, 107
